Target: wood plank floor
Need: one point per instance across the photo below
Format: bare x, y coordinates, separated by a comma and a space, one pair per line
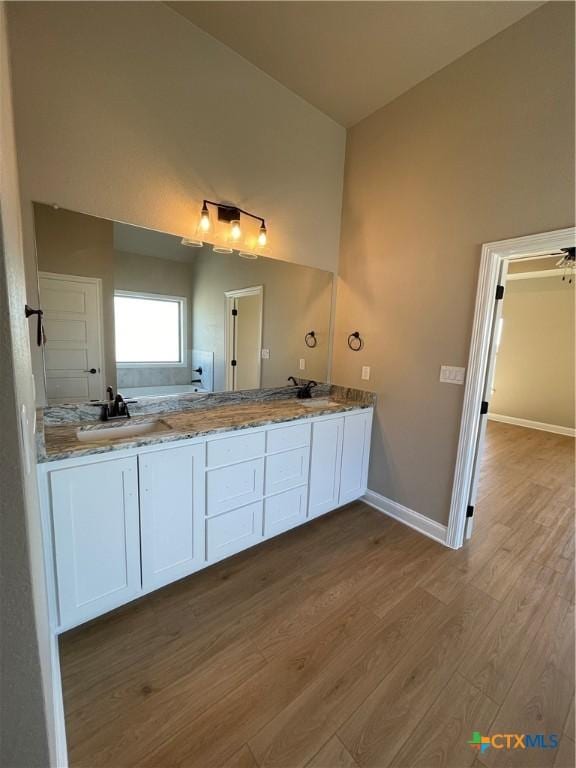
352, 641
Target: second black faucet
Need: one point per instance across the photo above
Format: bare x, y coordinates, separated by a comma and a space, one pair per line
304, 390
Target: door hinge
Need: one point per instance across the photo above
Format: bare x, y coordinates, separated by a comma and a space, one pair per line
233, 363
469, 510
234, 312
499, 292
484, 407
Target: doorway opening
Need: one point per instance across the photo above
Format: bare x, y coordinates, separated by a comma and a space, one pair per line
501, 266
243, 341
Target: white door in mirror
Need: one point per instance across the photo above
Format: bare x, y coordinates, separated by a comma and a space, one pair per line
73, 353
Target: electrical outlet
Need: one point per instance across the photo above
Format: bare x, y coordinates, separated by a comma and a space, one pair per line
365, 373
301, 364
265, 354
451, 374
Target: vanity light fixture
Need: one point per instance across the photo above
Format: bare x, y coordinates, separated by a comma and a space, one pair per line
235, 230
232, 215
191, 243
567, 263
204, 218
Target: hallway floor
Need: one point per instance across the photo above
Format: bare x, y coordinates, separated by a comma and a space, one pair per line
352, 641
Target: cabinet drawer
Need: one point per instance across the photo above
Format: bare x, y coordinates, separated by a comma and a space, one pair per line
237, 448
286, 470
233, 531
285, 438
233, 486
284, 511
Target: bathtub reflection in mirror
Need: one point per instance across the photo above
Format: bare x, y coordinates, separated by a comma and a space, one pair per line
141, 312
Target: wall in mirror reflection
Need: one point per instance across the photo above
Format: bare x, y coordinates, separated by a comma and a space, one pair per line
138, 311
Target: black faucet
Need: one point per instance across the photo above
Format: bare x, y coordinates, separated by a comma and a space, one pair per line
304, 390
120, 407
113, 407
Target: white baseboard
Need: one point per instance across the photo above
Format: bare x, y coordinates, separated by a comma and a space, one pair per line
409, 517
568, 431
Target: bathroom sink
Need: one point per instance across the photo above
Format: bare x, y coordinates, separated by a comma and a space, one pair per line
316, 402
121, 430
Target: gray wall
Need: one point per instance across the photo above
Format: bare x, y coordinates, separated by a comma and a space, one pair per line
24, 645
187, 119
481, 151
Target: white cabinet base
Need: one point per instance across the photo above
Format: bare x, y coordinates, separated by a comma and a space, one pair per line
119, 525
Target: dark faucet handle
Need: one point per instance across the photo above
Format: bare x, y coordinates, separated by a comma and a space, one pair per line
104, 409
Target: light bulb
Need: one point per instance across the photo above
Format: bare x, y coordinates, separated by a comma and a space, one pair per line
204, 219
262, 236
235, 231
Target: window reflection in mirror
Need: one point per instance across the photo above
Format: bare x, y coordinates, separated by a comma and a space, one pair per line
139, 311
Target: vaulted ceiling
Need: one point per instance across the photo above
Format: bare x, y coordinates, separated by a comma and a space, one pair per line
351, 58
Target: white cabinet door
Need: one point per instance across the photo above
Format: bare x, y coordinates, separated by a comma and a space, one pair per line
171, 513
233, 531
96, 537
325, 461
355, 456
286, 470
234, 486
284, 511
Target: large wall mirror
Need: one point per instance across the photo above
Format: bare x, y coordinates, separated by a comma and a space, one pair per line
144, 313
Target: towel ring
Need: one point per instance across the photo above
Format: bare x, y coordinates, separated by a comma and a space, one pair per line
310, 339
355, 342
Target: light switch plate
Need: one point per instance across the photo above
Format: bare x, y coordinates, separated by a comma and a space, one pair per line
265, 354
365, 373
452, 374
301, 364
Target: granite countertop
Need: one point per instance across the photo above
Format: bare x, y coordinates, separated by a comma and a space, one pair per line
57, 426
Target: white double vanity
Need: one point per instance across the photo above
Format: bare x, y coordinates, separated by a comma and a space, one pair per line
121, 519
130, 504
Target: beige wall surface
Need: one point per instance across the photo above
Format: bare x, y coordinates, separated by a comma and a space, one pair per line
459, 160
138, 115
296, 300
128, 111
70, 243
26, 722
534, 377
